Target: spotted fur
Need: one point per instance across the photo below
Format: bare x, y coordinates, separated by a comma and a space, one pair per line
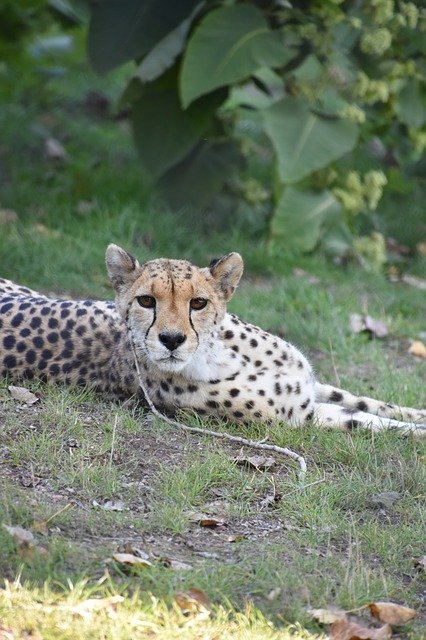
192, 353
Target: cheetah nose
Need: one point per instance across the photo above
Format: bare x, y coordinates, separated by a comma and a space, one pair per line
171, 340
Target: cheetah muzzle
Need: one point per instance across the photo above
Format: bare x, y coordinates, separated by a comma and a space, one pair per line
191, 353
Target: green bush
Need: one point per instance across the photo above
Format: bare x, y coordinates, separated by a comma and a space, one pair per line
307, 109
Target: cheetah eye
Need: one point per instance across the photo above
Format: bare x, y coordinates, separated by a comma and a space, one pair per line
198, 303
148, 302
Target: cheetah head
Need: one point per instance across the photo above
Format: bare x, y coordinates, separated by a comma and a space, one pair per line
172, 307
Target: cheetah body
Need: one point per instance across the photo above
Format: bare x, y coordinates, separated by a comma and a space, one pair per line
191, 353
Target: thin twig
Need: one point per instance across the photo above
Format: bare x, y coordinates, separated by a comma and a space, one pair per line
217, 434
67, 506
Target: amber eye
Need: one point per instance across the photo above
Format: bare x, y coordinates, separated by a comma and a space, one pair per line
198, 303
148, 302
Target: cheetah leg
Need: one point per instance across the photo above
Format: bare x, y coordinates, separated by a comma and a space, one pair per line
331, 415
329, 394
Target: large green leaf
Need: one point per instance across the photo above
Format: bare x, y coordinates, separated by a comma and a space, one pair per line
411, 103
201, 175
164, 132
304, 141
299, 217
228, 45
163, 55
122, 30
337, 240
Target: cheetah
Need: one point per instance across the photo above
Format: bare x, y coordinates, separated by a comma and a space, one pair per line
191, 353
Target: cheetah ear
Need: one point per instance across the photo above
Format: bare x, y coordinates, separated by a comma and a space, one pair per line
121, 266
227, 272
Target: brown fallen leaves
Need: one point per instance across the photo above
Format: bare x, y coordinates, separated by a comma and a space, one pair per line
86, 608
260, 463
417, 349
412, 281
54, 150
25, 542
21, 394
130, 560
8, 216
391, 613
420, 563
365, 323
109, 505
328, 615
205, 520
192, 601
344, 628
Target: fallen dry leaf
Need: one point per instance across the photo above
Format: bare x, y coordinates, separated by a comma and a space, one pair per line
176, 565
7, 216
271, 500
413, 281
131, 560
205, 520
84, 207
25, 542
417, 349
273, 594
129, 548
360, 323
54, 149
377, 328
237, 537
192, 600
301, 273
22, 394
42, 230
406, 278
391, 613
420, 563
260, 463
21, 536
421, 248
346, 630
89, 606
328, 616
109, 505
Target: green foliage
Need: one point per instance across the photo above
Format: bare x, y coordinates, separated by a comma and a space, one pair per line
301, 215
31, 35
246, 44
121, 31
303, 140
158, 102
334, 92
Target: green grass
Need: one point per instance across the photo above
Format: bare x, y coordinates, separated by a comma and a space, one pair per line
318, 544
